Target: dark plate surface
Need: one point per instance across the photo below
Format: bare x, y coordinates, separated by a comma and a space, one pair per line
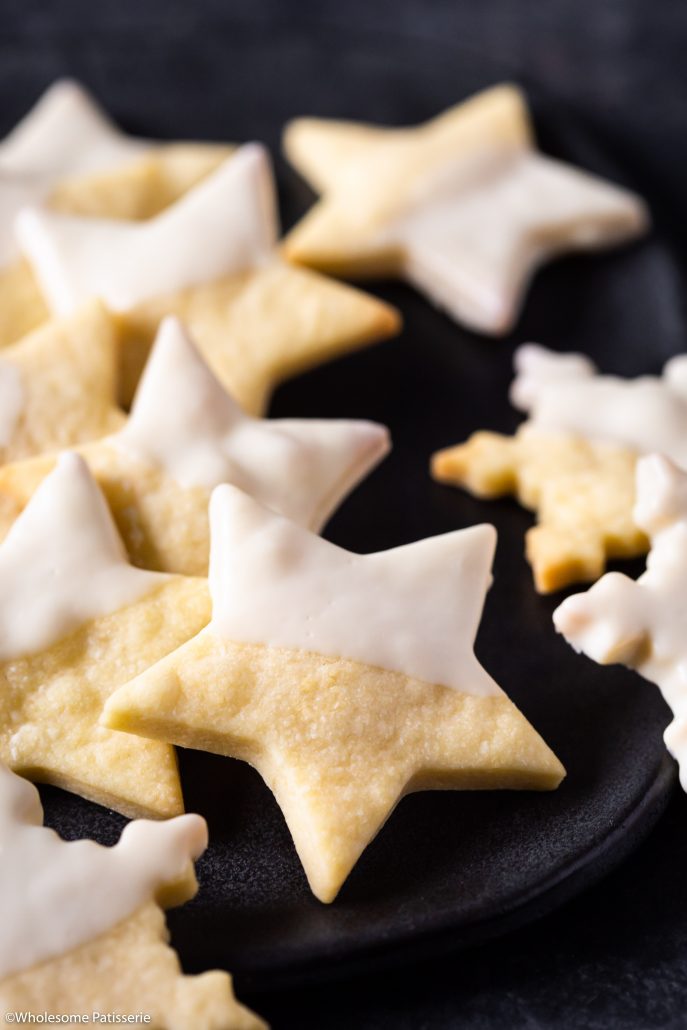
452, 868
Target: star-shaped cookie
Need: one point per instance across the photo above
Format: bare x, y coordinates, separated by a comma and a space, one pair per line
82, 928
573, 460
210, 259
76, 620
186, 435
464, 206
643, 624
58, 385
67, 152
346, 680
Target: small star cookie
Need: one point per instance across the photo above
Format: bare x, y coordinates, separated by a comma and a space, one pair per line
66, 152
211, 260
464, 207
76, 620
346, 680
58, 385
82, 928
186, 435
573, 460
643, 624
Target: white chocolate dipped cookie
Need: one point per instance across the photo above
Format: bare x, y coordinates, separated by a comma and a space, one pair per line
212, 260
346, 680
76, 621
464, 207
186, 435
573, 460
68, 154
82, 929
642, 623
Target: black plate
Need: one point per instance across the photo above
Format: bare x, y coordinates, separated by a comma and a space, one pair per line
452, 868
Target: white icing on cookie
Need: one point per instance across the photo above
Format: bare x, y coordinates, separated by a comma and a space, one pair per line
57, 895
479, 227
12, 399
643, 624
65, 134
565, 393
413, 610
63, 563
225, 226
185, 422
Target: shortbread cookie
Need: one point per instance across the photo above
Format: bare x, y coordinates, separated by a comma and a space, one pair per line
573, 460
346, 680
582, 492
643, 624
68, 153
211, 260
186, 435
464, 207
82, 930
58, 385
76, 620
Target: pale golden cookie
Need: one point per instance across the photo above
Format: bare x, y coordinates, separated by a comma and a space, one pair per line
464, 206
131, 968
138, 190
82, 930
582, 492
185, 435
58, 385
301, 674
573, 460
68, 153
211, 260
77, 620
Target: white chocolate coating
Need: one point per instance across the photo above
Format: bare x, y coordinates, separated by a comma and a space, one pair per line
413, 610
63, 563
57, 895
12, 398
643, 624
565, 393
480, 227
224, 226
185, 422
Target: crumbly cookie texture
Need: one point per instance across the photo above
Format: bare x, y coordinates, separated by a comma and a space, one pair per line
296, 680
210, 259
77, 620
83, 930
131, 968
582, 492
642, 623
59, 385
463, 206
186, 435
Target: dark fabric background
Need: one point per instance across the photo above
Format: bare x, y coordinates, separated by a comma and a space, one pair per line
616, 957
